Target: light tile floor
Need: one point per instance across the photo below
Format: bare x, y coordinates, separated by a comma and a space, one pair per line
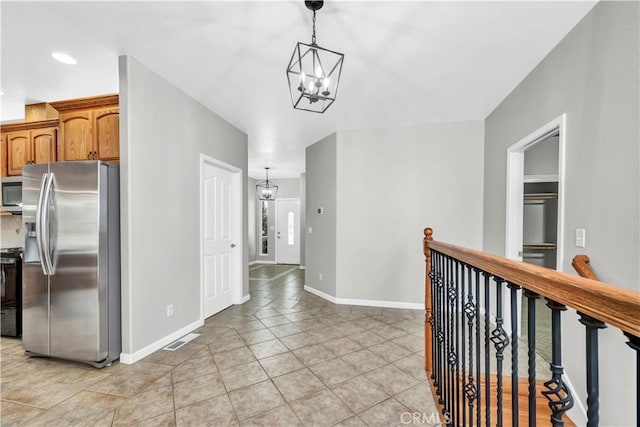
284, 358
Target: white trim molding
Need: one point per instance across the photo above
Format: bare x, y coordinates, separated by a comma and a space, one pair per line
245, 298
368, 303
302, 267
131, 358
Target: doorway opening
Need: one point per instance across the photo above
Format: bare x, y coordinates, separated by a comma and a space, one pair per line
220, 236
288, 231
535, 213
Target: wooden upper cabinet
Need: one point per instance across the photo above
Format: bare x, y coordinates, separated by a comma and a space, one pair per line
29, 146
107, 133
89, 128
43, 145
3, 154
18, 151
76, 136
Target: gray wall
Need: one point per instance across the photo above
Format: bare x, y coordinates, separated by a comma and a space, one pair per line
321, 187
592, 76
542, 158
163, 131
392, 183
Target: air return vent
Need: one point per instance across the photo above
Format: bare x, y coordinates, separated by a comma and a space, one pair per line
180, 342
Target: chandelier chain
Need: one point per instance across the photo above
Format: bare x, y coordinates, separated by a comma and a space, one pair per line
313, 36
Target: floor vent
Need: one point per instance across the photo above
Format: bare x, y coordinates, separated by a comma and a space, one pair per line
180, 342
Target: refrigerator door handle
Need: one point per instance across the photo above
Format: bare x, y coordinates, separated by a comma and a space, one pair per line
46, 237
39, 224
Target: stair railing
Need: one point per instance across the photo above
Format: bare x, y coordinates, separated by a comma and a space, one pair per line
460, 285
581, 264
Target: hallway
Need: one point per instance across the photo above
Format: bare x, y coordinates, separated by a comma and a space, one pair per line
286, 357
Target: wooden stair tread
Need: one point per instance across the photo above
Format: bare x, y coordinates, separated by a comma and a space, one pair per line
543, 412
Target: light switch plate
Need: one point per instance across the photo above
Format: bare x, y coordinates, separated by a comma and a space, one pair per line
581, 237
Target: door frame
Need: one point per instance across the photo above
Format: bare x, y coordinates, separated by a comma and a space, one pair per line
515, 195
237, 207
287, 199
515, 187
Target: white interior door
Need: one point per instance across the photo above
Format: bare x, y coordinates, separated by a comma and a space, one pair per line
219, 240
288, 231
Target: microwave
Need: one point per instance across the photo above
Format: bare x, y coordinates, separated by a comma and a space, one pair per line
12, 194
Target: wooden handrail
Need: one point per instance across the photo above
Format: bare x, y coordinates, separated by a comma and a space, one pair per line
611, 304
580, 263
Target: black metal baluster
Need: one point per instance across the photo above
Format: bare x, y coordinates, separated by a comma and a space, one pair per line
432, 275
470, 311
531, 352
500, 341
463, 342
514, 354
634, 343
439, 328
449, 338
559, 396
456, 401
591, 326
478, 378
447, 329
487, 351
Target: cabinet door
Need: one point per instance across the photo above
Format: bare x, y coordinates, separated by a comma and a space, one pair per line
44, 145
76, 137
107, 133
18, 151
3, 155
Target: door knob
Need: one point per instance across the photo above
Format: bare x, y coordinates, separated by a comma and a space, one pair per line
233, 245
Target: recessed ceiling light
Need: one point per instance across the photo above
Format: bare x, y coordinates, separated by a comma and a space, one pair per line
64, 58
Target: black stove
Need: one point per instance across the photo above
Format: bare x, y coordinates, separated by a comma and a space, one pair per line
11, 292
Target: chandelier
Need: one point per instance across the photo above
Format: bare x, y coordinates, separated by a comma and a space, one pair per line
313, 72
266, 189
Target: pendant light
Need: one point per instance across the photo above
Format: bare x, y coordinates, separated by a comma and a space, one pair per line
314, 72
266, 189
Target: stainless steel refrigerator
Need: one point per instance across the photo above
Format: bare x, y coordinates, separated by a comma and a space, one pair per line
71, 264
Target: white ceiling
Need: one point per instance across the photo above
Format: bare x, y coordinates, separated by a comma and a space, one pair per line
405, 62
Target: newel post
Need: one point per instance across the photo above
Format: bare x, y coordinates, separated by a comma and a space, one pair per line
428, 236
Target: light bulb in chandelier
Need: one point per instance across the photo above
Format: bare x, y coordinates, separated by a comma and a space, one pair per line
325, 89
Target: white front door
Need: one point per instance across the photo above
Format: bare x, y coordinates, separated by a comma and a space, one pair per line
288, 231
219, 242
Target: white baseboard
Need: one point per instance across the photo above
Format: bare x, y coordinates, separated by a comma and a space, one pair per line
302, 267
130, 358
245, 298
253, 262
368, 303
265, 262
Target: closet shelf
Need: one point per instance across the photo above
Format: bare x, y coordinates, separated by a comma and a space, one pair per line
540, 196
539, 246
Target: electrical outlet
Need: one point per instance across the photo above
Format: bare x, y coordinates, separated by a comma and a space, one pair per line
170, 310
320, 277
